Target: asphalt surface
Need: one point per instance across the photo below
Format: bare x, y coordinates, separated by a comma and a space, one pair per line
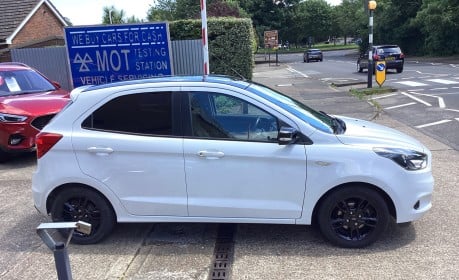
425, 249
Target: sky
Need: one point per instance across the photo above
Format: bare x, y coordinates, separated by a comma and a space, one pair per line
90, 12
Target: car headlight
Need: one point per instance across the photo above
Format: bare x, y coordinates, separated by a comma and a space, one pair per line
408, 159
12, 118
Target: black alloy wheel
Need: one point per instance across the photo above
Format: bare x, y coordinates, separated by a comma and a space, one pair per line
353, 217
81, 204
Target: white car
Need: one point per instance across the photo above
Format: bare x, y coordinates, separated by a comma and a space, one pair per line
214, 149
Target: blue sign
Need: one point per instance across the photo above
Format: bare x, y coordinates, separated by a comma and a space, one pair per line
110, 53
380, 67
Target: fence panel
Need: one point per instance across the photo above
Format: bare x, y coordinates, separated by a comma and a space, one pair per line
52, 62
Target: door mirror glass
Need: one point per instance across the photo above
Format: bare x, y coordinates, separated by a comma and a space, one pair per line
287, 135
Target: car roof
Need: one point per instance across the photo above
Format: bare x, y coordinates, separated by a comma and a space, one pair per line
9, 66
386, 46
217, 79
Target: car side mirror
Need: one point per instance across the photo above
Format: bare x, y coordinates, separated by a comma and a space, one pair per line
56, 84
287, 135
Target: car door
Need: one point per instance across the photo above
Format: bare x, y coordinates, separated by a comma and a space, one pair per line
131, 143
234, 166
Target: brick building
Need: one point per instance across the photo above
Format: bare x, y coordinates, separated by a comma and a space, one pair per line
29, 23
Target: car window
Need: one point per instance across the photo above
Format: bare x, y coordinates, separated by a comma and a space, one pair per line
142, 113
215, 115
391, 50
23, 81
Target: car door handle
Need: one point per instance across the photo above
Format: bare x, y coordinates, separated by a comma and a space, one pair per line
100, 150
211, 154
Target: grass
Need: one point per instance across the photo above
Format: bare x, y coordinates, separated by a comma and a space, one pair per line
364, 93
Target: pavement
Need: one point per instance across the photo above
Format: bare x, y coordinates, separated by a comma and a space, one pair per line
429, 249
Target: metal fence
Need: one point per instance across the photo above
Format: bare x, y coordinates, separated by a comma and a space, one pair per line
51, 61
187, 59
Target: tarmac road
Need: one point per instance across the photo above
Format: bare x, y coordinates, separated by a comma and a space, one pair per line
425, 249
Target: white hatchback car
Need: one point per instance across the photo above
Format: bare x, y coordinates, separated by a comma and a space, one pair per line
214, 149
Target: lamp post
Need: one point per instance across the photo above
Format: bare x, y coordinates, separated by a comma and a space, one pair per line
371, 8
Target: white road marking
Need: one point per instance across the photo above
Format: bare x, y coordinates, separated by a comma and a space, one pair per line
418, 89
454, 110
383, 96
416, 99
441, 101
440, 88
457, 119
455, 87
297, 72
442, 81
399, 106
412, 84
432, 124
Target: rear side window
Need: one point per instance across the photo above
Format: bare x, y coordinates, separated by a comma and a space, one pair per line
142, 113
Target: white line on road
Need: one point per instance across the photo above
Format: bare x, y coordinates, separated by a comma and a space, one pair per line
416, 99
457, 119
297, 72
454, 110
418, 89
399, 106
434, 123
412, 84
383, 96
440, 88
441, 101
442, 81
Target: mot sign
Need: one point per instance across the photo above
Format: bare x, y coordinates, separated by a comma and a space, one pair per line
110, 53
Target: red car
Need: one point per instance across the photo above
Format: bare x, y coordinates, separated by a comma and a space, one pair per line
28, 101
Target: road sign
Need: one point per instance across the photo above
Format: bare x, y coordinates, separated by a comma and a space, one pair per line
271, 39
110, 53
380, 74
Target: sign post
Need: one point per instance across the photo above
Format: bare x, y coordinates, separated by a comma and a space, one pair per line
109, 53
380, 72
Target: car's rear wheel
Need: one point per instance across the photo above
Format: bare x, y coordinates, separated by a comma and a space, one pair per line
359, 68
353, 216
400, 70
83, 204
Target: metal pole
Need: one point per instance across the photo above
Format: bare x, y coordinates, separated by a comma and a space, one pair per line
205, 47
370, 53
61, 258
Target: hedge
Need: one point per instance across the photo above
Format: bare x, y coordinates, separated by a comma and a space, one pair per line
231, 43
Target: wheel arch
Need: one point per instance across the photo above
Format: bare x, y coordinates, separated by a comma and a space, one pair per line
52, 196
390, 204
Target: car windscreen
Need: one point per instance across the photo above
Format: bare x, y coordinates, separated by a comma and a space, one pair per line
314, 118
23, 81
392, 50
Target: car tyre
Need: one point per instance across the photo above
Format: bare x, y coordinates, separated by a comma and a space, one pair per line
359, 69
83, 204
353, 216
4, 156
400, 70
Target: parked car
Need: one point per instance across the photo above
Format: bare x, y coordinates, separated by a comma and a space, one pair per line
28, 100
216, 149
392, 54
313, 54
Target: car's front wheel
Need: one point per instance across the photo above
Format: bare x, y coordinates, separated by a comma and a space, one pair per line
353, 216
400, 70
82, 204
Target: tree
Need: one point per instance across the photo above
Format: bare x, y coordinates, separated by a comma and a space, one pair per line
349, 19
439, 23
313, 19
115, 16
